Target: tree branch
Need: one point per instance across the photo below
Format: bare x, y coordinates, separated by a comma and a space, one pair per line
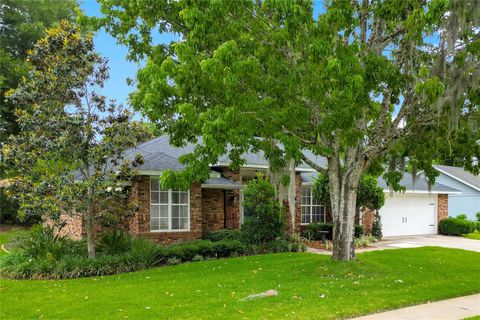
313, 164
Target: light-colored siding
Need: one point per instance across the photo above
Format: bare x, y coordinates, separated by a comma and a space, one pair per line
468, 202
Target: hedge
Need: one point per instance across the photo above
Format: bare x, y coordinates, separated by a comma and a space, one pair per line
456, 227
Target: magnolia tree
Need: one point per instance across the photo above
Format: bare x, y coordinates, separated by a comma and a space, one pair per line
69, 152
362, 83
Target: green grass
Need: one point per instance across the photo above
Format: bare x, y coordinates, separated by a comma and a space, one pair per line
475, 235
309, 286
8, 236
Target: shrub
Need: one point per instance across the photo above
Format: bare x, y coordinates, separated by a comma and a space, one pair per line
225, 234
312, 231
455, 226
266, 221
478, 216
462, 217
114, 242
42, 243
198, 258
358, 230
72, 262
364, 241
377, 226
19, 266
205, 248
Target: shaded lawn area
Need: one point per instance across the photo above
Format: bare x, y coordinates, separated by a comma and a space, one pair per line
309, 286
9, 236
474, 235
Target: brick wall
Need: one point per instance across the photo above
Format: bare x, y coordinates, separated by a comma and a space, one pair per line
140, 194
442, 210
233, 200
213, 209
74, 227
368, 217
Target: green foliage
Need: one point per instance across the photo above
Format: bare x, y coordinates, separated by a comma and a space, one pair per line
478, 216
358, 230
213, 284
23, 23
224, 234
364, 241
42, 243
455, 226
377, 226
265, 222
312, 231
70, 151
361, 85
462, 217
43, 255
207, 249
114, 242
368, 193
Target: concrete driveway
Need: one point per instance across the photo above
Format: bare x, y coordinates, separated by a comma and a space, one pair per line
428, 240
415, 242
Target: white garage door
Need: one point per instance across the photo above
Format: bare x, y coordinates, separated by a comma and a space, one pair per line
409, 214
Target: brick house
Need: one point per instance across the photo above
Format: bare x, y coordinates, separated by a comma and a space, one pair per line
167, 216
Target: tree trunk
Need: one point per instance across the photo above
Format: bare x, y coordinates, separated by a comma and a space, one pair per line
344, 227
343, 198
90, 235
292, 186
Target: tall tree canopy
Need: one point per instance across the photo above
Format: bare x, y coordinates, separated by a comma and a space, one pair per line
70, 151
22, 23
362, 83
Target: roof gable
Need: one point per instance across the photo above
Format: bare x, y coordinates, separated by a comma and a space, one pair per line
460, 175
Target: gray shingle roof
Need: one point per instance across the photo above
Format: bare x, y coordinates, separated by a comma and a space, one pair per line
420, 183
461, 175
220, 182
152, 149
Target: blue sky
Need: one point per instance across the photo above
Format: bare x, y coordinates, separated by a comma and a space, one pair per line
120, 69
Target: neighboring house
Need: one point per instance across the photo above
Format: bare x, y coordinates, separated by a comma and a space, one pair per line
468, 202
168, 216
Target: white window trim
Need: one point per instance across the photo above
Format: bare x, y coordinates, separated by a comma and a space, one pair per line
311, 205
169, 210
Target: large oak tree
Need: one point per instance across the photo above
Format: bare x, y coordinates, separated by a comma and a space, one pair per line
362, 83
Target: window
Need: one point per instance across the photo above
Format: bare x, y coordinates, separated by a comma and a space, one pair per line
312, 210
169, 209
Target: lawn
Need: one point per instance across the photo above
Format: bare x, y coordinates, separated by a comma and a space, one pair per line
308, 285
474, 235
8, 236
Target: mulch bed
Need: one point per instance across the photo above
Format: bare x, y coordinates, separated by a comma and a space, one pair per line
318, 245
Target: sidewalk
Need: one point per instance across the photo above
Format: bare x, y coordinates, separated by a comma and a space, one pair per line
452, 309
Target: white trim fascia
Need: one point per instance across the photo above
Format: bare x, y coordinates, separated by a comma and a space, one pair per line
423, 192
406, 191
263, 166
456, 178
